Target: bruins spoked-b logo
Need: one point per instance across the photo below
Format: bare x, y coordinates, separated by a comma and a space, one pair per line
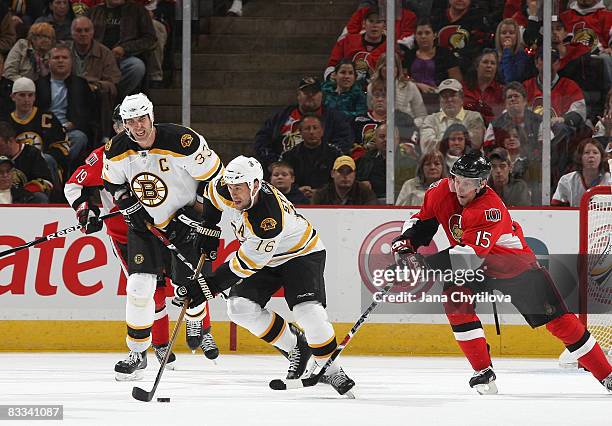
151, 190
138, 259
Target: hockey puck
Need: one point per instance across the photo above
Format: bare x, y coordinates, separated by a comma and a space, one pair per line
163, 399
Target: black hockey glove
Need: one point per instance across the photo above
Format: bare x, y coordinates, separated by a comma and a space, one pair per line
134, 213
198, 291
206, 240
88, 215
401, 247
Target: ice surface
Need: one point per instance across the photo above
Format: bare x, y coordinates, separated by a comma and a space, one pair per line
390, 391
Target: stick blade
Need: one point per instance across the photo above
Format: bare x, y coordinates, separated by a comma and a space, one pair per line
278, 384
141, 394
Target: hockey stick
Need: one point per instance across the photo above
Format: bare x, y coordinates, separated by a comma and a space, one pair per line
141, 394
280, 384
57, 234
198, 274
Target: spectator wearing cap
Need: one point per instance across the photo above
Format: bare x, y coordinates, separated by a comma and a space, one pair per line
10, 194
31, 171
42, 129
312, 160
512, 191
341, 91
127, 30
431, 168
591, 170
60, 16
344, 189
481, 91
69, 98
95, 63
405, 21
281, 132
363, 49
282, 178
451, 111
7, 33
30, 57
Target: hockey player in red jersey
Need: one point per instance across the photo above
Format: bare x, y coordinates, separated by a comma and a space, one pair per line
82, 186
484, 237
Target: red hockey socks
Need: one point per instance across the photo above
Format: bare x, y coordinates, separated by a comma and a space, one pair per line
580, 343
160, 330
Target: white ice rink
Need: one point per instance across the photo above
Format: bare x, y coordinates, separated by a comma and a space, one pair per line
389, 391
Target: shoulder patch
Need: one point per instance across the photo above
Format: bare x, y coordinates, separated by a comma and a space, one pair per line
186, 140
108, 144
93, 158
268, 224
493, 215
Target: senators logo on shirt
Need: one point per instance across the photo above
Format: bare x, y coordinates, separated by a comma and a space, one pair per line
454, 225
453, 37
493, 215
586, 36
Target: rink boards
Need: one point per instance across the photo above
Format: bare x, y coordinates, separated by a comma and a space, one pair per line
68, 293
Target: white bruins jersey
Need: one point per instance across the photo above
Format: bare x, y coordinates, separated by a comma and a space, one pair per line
165, 177
270, 233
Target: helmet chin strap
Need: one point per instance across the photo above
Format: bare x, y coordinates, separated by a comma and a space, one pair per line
147, 136
253, 194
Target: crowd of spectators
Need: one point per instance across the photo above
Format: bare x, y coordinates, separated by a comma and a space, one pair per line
64, 65
468, 76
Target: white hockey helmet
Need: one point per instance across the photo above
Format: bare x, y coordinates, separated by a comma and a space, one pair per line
244, 170
136, 106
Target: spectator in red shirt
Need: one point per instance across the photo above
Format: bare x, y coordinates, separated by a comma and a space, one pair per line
481, 91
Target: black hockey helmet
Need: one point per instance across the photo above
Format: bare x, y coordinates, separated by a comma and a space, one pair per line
472, 165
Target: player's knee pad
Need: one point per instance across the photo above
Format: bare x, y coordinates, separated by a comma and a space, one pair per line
312, 317
567, 328
243, 311
140, 289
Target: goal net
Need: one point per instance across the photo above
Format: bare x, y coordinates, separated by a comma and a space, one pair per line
595, 269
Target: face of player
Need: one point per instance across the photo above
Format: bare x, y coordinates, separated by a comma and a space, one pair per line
507, 35
500, 172
456, 143
512, 141
343, 178
515, 103
309, 100
374, 27
487, 67
591, 157
6, 176
587, 3
59, 8
311, 131
139, 127
282, 178
465, 188
451, 102
432, 170
345, 77
24, 102
425, 36
241, 194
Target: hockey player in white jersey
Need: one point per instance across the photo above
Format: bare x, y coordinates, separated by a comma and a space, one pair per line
279, 248
156, 172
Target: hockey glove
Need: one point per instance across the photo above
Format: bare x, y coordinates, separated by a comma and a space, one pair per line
88, 215
134, 213
197, 290
206, 240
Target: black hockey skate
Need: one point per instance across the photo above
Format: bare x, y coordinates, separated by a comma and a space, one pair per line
298, 356
209, 346
484, 381
193, 334
340, 382
160, 353
607, 383
132, 367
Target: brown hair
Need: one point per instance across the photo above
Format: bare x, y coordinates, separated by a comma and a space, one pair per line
7, 131
284, 164
431, 156
603, 164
